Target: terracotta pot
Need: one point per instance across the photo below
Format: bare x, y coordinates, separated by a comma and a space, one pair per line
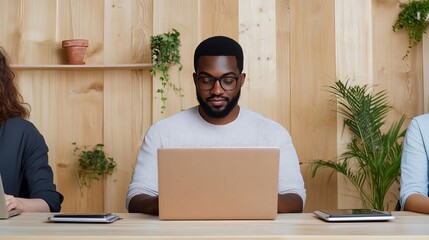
75, 50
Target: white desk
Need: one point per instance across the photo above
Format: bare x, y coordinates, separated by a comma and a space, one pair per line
407, 225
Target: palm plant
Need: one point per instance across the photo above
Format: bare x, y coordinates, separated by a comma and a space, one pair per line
371, 161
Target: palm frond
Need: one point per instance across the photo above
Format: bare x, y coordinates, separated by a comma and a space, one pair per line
375, 155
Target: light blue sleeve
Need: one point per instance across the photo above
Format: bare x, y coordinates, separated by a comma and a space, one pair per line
414, 163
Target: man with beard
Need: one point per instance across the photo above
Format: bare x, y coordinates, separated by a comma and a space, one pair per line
218, 121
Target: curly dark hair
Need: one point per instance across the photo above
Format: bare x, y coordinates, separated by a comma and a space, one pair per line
11, 101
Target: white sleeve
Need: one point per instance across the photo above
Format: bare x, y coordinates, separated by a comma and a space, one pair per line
290, 178
145, 176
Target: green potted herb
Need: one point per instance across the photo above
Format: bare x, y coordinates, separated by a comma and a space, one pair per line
93, 164
413, 17
372, 157
165, 53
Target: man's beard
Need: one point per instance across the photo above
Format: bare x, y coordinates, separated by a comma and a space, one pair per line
219, 114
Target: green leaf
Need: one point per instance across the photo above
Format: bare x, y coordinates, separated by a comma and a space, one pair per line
93, 164
165, 49
371, 160
407, 18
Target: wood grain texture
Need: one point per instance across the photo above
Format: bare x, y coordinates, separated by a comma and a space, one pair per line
293, 50
142, 94
283, 60
182, 16
117, 101
124, 91
258, 39
83, 19
313, 123
425, 73
353, 45
401, 79
218, 17
81, 93
32, 226
10, 33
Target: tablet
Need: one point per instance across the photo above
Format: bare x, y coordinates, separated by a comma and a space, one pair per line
84, 217
349, 215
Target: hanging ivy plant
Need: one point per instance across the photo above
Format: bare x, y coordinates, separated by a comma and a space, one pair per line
413, 18
165, 53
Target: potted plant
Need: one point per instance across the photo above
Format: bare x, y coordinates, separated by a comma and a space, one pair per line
165, 53
93, 164
413, 17
372, 158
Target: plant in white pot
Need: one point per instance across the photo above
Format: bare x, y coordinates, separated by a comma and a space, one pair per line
413, 17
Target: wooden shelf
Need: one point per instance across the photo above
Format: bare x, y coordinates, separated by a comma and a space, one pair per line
136, 66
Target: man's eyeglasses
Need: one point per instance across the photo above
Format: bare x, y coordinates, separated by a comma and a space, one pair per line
228, 83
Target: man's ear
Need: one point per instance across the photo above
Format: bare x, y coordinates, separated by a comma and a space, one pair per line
194, 75
242, 79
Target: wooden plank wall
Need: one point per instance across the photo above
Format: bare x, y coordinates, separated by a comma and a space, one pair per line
293, 50
354, 61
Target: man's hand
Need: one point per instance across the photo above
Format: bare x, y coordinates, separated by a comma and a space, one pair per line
143, 203
289, 203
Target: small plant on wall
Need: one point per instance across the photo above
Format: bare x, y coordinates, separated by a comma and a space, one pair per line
372, 157
413, 18
93, 164
165, 53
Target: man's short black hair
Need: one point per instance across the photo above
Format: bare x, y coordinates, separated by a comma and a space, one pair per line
219, 46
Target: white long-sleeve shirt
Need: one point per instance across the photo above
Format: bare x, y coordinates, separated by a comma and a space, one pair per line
189, 129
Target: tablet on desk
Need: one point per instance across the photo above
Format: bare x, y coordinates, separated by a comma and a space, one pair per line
84, 217
350, 215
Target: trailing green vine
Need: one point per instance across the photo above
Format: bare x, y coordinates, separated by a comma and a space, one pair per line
165, 53
413, 18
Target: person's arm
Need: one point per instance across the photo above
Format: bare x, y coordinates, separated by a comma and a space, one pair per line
417, 203
38, 175
143, 203
291, 197
26, 205
143, 189
289, 203
414, 167
30, 177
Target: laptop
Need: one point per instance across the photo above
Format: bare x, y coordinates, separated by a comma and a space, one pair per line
218, 183
353, 215
4, 214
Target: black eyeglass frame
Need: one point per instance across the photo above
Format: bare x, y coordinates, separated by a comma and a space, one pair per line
215, 79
